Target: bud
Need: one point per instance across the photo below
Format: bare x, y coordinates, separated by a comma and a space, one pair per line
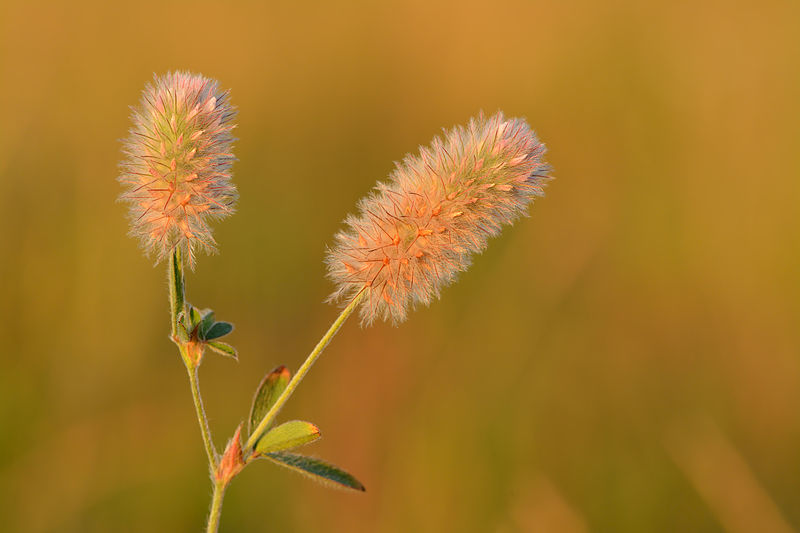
177, 169
231, 462
416, 232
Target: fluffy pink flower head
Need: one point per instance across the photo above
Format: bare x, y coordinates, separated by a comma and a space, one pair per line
177, 169
416, 232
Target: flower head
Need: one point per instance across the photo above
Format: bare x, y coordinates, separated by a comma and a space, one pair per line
416, 232
177, 169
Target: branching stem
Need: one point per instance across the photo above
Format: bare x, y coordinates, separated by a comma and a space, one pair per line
177, 300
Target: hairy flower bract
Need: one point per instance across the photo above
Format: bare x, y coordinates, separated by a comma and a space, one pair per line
414, 233
177, 169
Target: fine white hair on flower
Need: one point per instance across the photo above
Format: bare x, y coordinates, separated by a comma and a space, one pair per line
177, 166
414, 233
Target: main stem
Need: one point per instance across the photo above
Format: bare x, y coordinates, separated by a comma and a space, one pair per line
216, 508
303, 370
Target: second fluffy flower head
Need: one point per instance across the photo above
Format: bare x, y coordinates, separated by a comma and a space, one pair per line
416, 232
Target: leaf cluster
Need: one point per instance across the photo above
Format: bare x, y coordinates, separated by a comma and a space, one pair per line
200, 328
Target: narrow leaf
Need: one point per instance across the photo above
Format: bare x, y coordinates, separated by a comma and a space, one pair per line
217, 330
318, 470
287, 436
270, 388
194, 313
223, 348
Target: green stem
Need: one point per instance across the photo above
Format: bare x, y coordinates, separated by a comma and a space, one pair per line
216, 508
303, 370
176, 289
177, 302
211, 451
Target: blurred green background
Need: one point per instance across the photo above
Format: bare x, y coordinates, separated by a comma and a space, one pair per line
627, 359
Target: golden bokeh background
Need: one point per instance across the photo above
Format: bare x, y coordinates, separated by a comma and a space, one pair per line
627, 359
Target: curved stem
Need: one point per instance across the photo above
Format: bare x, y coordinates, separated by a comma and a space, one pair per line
211, 452
216, 508
303, 370
177, 305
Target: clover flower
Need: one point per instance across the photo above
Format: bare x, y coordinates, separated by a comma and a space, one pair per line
177, 169
417, 231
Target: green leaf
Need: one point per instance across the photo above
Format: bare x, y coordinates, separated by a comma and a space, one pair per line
217, 330
268, 392
223, 348
206, 321
318, 470
287, 436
